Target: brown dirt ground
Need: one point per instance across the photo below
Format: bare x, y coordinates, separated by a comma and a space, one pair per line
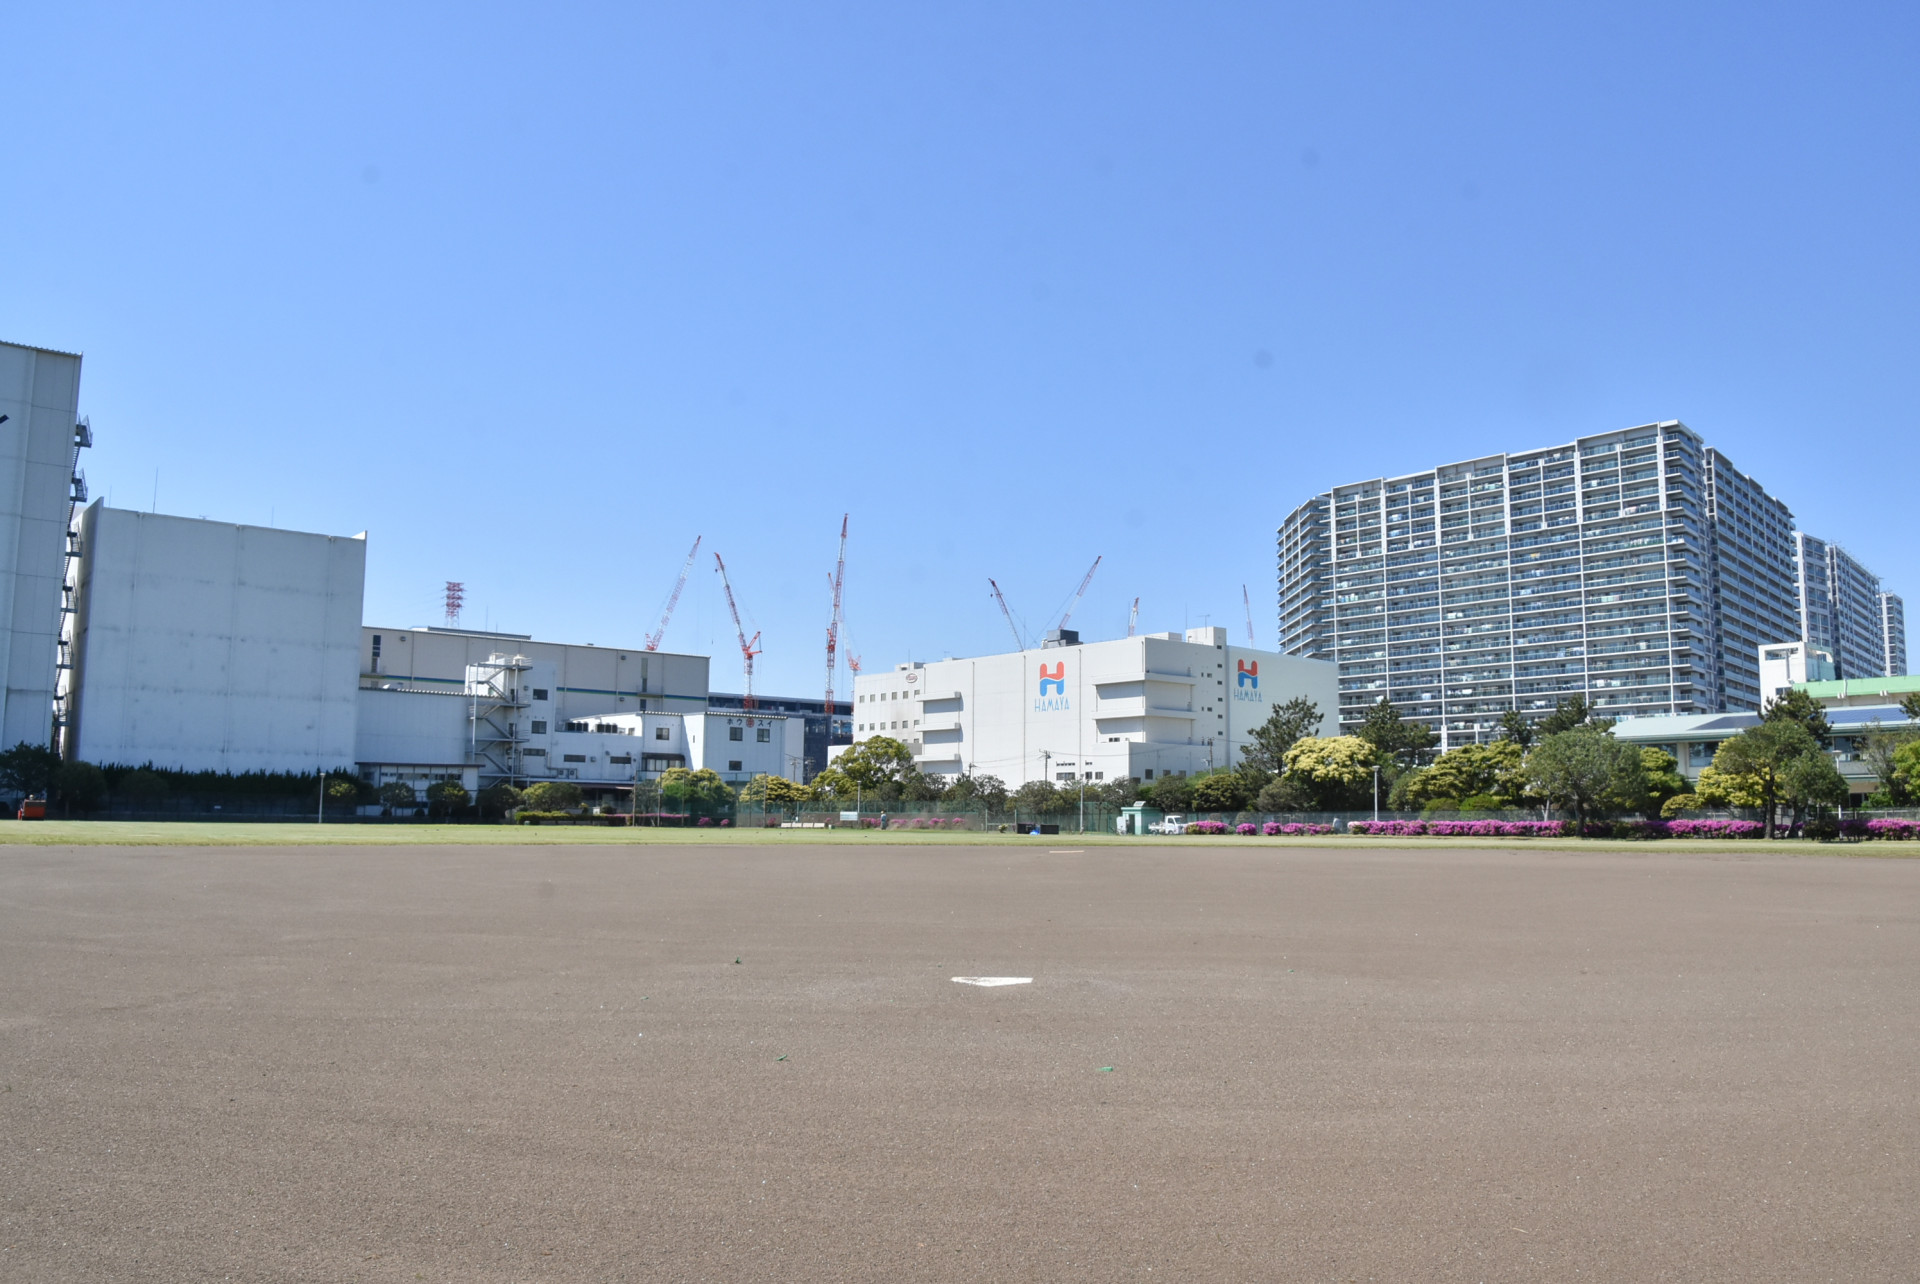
499, 1064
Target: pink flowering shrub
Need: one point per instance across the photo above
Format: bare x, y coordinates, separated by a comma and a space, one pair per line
1712, 828
1275, 829
1248, 830
1893, 827
1462, 828
1207, 827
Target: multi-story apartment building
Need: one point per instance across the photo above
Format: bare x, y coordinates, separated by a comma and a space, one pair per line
1893, 629
1844, 610
1638, 568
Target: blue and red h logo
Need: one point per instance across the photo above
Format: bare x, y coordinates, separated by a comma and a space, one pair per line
1249, 675
1056, 679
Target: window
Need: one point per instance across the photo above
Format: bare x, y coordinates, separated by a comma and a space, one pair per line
1099, 775
573, 757
764, 735
539, 727
539, 693
736, 733
1148, 774
734, 765
576, 726
620, 759
534, 753
662, 733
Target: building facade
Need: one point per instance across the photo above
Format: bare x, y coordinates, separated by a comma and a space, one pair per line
1893, 628
822, 732
206, 646
1844, 610
41, 436
1143, 708
1639, 569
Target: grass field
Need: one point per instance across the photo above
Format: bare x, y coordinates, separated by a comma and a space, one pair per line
117, 833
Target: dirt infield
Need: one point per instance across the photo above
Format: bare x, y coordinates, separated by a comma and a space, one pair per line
494, 1064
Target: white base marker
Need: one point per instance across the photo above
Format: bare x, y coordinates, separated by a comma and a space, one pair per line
994, 980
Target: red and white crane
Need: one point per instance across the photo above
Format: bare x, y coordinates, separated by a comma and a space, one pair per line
673, 598
747, 649
1019, 644
1133, 617
1248, 603
1078, 594
833, 619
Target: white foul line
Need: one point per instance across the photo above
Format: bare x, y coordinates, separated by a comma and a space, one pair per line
994, 980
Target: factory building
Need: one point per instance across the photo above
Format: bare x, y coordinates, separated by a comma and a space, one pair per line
1143, 708
41, 436
207, 646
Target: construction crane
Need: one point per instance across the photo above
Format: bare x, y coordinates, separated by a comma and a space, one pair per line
1133, 617
833, 617
1248, 603
1078, 594
673, 598
747, 649
1019, 643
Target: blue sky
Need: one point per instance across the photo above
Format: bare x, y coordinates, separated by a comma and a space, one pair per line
535, 294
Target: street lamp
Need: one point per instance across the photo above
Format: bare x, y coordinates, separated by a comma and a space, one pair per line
1376, 791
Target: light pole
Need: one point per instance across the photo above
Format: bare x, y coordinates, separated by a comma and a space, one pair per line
1376, 791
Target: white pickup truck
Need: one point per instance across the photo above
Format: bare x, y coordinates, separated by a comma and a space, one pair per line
1173, 823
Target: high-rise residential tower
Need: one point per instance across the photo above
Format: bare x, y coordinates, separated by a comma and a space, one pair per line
1843, 610
1893, 628
1638, 568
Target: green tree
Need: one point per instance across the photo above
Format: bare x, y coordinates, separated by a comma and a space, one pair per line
1495, 770
1515, 727
1718, 788
1910, 705
875, 763
1337, 769
773, 792
1880, 748
1395, 740
499, 799
344, 792
697, 793
396, 793
1810, 782
448, 798
1664, 781
1574, 711
1286, 793
80, 786
144, 787
1266, 753
1040, 796
1801, 709
26, 770
968, 792
1906, 767
1221, 791
558, 795
1762, 753
1586, 771
1172, 793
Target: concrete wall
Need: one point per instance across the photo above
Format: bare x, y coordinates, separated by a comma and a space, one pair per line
207, 646
40, 394
403, 734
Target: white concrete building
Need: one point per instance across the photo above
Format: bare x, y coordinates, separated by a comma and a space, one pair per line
40, 439
1141, 707
205, 646
1783, 665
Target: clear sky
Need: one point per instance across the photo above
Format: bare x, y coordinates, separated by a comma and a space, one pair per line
534, 294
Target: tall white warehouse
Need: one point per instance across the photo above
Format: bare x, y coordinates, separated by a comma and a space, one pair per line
39, 442
1142, 708
205, 646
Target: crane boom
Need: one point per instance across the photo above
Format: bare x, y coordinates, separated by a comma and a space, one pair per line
1133, 617
1018, 643
747, 649
673, 598
1078, 594
833, 621
1248, 603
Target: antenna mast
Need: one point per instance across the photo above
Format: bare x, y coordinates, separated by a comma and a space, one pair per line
1078, 594
747, 649
673, 598
1018, 644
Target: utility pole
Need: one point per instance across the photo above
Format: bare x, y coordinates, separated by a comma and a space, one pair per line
1376, 791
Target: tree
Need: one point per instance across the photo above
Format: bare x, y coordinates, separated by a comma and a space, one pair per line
1171, 793
1495, 770
1287, 793
343, 791
1221, 791
772, 792
145, 787
1664, 780
1763, 753
970, 791
1881, 749
396, 793
1574, 711
1122, 792
1587, 771
1292, 721
1040, 796
27, 769
1811, 782
1398, 742
499, 798
79, 785
1718, 788
1515, 727
1910, 705
923, 786
1802, 709
874, 763
448, 798
1337, 769
697, 793
556, 795
1906, 766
